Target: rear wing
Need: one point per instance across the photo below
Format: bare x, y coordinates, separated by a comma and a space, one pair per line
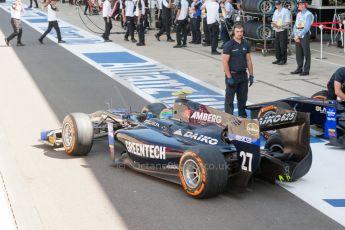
293, 128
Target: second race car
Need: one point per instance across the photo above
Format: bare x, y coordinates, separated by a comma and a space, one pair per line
326, 116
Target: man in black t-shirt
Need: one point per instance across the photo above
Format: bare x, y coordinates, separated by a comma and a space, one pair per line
236, 60
336, 85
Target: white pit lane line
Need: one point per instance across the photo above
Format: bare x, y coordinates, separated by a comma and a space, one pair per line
326, 177
325, 180
6, 216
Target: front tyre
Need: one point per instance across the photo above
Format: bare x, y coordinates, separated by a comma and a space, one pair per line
77, 134
203, 172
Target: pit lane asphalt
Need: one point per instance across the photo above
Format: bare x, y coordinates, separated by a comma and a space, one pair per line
69, 85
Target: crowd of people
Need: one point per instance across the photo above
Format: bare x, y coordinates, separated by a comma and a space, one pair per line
216, 19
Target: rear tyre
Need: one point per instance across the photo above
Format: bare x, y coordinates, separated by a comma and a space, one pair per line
275, 144
77, 134
203, 172
320, 95
154, 108
273, 108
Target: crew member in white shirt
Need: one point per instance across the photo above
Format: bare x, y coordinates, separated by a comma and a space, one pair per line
106, 11
213, 10
166, 16
16, 10
182, 22
128, 9
140, 13
52, 21
280, 23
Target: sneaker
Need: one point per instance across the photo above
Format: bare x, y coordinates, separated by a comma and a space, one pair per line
40, 40
170, 40
177, 46
184, 45
140, 44
20, 44
7, 42
61, 41
126, 39
275, 62
133, 40
107, 40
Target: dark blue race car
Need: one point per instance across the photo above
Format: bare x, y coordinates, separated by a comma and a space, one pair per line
191, 144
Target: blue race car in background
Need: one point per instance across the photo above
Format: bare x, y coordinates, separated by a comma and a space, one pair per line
326, 116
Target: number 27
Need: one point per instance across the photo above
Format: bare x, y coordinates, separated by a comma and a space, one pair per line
244, 157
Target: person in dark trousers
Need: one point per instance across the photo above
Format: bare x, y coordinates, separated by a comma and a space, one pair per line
159, 8
213, 10
195, 21
106, 12
52, 21
280, 23
166, 16
227, 13
301, 33
86, 2
140, 13
128, 9
336, 85
236, 60
181, 22
30, 6
16, 12
207, 40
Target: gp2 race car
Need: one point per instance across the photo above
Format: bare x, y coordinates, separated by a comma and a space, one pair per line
326, 116
191, 144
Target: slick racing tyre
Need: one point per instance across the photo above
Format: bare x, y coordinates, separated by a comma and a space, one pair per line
77, 134
258, 7
273, 108
320, 95
291, 5
154, 108
275, 144
256, 30
203, 172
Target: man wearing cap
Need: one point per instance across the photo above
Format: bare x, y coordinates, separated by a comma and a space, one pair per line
280, 23
301, 33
